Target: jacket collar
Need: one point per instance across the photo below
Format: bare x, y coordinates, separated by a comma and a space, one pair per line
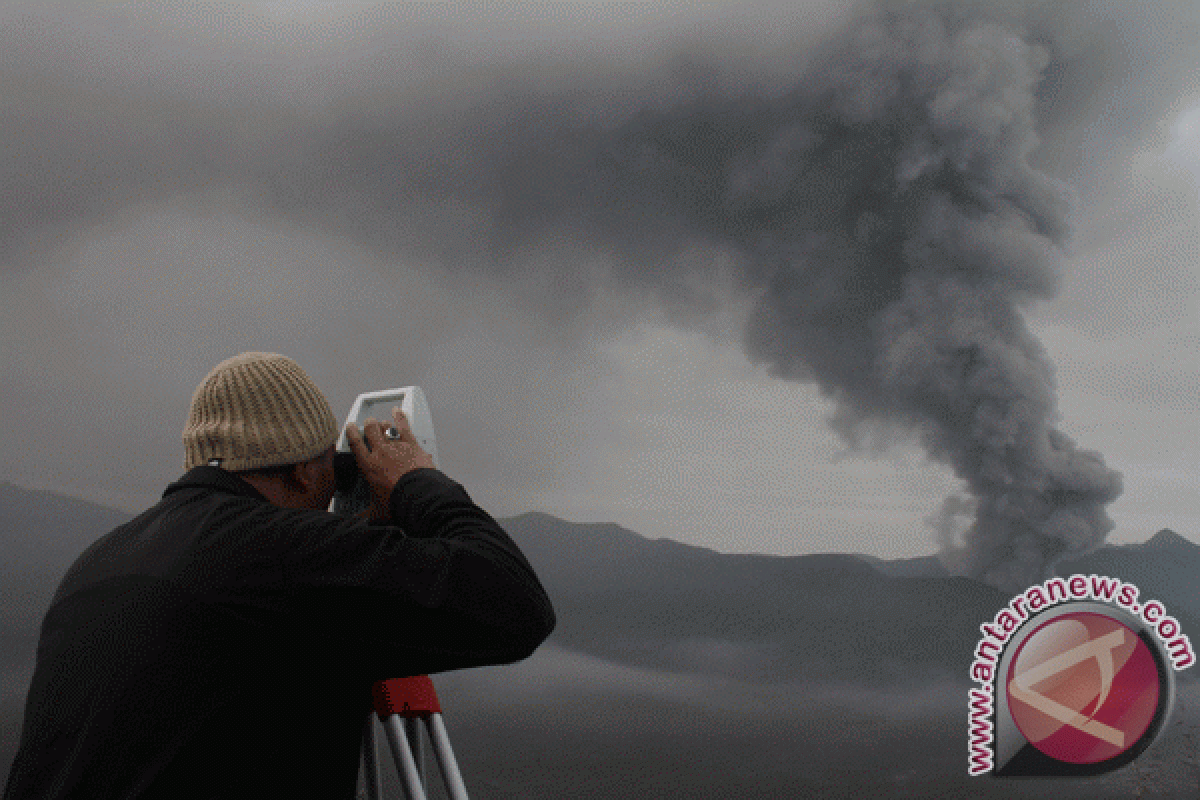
214, 479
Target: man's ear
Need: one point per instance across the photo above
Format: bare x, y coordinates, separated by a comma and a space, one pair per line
300, 477
307, 474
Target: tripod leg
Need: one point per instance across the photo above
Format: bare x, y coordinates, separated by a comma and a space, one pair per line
445, 758
411, 780
412, 730
370, 759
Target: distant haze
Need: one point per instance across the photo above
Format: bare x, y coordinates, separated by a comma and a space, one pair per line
634, 253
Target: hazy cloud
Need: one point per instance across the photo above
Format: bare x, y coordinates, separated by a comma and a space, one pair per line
879, 193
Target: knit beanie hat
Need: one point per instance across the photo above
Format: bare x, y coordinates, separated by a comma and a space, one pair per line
257, 410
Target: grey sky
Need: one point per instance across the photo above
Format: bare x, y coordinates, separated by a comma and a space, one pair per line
386, 196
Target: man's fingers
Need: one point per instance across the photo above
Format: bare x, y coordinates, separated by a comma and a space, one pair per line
373, 439
403, 429
367, 441
354, 438
374, 433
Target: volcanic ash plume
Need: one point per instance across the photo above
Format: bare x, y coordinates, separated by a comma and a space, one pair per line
893, 224
880, 207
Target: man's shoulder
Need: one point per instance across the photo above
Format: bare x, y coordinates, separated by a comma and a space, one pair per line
162, 540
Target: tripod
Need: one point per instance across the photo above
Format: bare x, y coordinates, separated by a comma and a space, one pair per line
399, 704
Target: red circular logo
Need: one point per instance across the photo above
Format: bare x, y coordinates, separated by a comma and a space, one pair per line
1083, 688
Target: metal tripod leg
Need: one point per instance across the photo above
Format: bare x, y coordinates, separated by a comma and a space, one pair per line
372, 780
400, 703
370, 761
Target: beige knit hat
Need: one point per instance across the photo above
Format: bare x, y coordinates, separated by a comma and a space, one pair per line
257, 410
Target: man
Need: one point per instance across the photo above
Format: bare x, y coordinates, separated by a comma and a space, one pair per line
223, 644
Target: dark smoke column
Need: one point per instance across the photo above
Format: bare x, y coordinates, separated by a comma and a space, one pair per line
878, 204
888, 214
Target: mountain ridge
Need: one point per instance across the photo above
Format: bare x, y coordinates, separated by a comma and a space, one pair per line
667, 605
1164, 539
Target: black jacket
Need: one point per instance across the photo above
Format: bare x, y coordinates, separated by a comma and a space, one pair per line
219, 646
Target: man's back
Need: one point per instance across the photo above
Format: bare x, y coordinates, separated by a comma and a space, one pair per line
222, 646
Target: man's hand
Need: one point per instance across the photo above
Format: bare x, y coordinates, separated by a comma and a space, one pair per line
387, 459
